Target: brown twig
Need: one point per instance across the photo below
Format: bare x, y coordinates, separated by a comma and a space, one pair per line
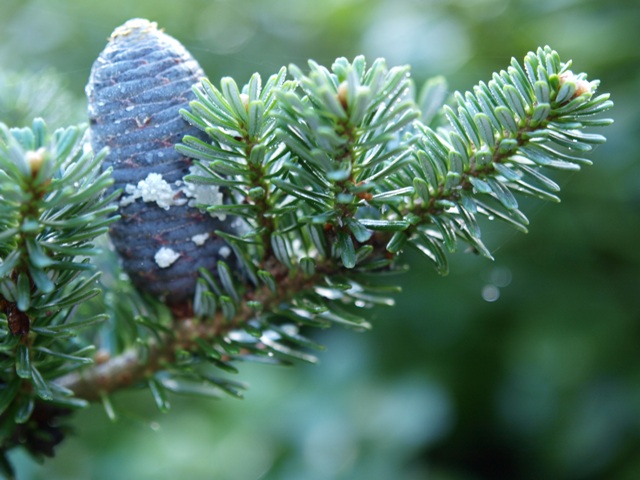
134, 365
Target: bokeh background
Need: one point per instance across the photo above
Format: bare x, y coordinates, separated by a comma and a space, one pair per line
523, 368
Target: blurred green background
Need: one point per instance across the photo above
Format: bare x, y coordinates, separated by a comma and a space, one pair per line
524, 368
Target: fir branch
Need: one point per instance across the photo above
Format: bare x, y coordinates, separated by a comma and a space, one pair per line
332, 174
52, 208
343, 129
202, 338
243, 146
500, 139
338, 178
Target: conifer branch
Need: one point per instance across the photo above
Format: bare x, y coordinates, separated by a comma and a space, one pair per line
406, 177
331, 173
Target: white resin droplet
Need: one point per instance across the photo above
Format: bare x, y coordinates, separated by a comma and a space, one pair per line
165, 257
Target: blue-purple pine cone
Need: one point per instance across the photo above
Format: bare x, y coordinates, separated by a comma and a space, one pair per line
137, 86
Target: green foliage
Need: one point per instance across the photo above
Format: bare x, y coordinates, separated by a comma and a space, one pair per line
498, 143
334, 172
343, 165
52, 208
26, 96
